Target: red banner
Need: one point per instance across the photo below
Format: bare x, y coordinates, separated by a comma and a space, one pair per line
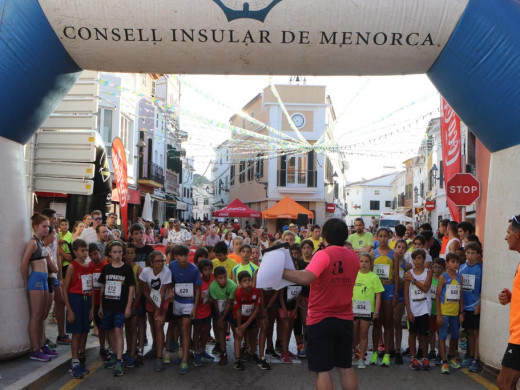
451, 150
120, 172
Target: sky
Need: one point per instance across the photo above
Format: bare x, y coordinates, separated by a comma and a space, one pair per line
380, 119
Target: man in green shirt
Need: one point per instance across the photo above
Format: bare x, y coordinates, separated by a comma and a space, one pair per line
361, 241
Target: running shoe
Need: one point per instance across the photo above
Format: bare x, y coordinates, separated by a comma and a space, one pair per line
373, 359
76, 372
445, 369
228, 336
262, 363
361, 364
238, 365
39, 356
111, 362
381, 348
463, 344
426, 365
292, 355
159, 366
51, 352
302, 353
65, 340
454, 363
466, 362
197, 361
399, 359
414, 364
438, 360
118, 369
474, 366
272, 353
167, 358
431, 355
130, 361
223, 359
286, 359
50, 344
386, 360
206, 357
184, 369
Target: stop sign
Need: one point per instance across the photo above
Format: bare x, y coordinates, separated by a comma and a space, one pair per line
463, 189
430, 205
331, 207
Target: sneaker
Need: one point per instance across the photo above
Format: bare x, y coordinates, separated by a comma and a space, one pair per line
373, 359
118, 370
184, 369
39, 356
228, 336
286, 359
223, 359
111, 362
139, 360
197, 361
438, 360
167, 358
414, 364
50, 352
255, 358
262, 363
431, 355
361, 364
454, 363
130, 361
386, 360
463, 345
159, 366
206, 357
445, 369
278, 346
76, 372
466, 362
65, 340
292, 355
50, 344
104, 354
474, 366
238, 365
151, 354
381, 348
302, 353
399, 359
426, 365
272, 353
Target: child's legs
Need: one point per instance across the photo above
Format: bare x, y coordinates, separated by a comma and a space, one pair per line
412, 342
83, 343
238, 342
286, 333
141, 323
133, 340
388, 324
36, 301
364, 326
204, 335
475, 332
443, 334
197, 332
376, 333
357, 326
128, 333
59, 308
220, 334
45, 312
303, 313
75, 342
454, 332
185, 324
433, 332
151, 321
252, 337
423, 343
398, 329
158, 329
118, 341
262, 337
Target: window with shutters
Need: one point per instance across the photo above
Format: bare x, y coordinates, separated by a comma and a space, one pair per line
232, 175
242, 172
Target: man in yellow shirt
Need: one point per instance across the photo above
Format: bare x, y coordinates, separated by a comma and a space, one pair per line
316, 236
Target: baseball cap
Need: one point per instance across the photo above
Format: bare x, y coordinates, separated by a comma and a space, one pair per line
292, 224
236, 220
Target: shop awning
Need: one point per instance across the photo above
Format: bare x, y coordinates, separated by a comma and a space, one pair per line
134, 196
286, 208
237, 209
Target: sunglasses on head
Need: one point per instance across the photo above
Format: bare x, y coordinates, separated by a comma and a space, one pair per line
514, 219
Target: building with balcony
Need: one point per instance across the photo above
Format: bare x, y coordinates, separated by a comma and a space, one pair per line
220, 176
260, 177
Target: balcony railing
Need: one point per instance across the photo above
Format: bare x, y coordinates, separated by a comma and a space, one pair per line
152, 172
295, 178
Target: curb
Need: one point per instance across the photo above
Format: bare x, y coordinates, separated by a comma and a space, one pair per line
46, 374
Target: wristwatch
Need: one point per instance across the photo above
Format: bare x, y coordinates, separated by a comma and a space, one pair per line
414, 281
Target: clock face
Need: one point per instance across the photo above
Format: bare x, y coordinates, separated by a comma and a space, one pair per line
298, 120
254, 5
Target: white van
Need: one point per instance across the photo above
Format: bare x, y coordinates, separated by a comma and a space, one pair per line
390, 220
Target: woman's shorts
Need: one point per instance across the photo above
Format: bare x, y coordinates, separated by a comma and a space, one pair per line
388, 294
38, 281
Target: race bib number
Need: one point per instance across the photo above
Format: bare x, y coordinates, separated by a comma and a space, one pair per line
184, 290
417, 294
221, 305
453, 293
433, 292
113, 289
468, 282
401, 273
86, 283
205, 296
362, 308
293, 292
383, 271
247, 310
155, 296
95, 278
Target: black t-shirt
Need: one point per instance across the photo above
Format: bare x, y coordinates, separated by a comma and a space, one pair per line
141, 255
302, 264
117, 282
435, 249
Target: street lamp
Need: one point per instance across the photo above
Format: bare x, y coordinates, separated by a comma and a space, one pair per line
434, 172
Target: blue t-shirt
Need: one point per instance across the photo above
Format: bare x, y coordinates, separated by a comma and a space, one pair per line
185, 281
471, 284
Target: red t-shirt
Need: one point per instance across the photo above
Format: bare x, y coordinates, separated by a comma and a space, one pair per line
204, 307
81, 281
96, 286
246, 302
336, 269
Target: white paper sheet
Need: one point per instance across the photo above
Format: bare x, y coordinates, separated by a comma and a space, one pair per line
271, 269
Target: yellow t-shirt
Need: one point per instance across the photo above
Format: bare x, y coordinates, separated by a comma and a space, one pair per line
384, 267
450, 296
316, 243
360, 241
228, 264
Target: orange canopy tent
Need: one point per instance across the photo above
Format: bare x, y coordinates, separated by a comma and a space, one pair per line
286, 208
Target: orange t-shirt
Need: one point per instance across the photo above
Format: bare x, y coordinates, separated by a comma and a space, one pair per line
235, 257
514, 314
444, 243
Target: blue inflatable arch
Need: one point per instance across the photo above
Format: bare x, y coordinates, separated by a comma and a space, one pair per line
470, 49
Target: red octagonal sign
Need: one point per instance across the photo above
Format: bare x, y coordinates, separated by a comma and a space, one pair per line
463, 189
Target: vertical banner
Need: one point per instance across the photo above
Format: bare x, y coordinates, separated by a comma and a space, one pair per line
120, 173
451, 150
